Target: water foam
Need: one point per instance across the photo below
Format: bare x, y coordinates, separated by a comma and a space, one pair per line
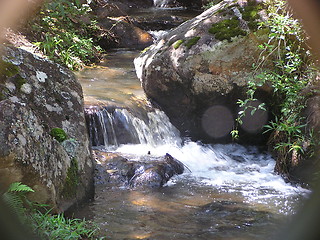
229, 168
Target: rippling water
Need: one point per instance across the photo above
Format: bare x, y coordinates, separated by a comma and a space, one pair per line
228, 192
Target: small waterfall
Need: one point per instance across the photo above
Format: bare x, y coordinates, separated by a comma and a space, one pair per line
110, 127
161, 3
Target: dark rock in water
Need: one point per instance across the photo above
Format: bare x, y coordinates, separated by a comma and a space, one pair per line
152, 173
157, 173
121, 33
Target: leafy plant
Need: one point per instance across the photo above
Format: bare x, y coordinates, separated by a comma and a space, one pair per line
289, 76
15, 197
43, 223
53, 227
63, 35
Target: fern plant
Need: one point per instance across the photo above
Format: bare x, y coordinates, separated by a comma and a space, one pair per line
15, 197
41, 222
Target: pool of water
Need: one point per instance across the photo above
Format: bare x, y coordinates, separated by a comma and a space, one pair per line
113, 81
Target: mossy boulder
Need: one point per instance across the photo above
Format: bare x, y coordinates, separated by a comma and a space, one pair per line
200, 69
43, 136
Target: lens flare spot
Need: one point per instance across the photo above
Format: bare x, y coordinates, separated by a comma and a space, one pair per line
217, 121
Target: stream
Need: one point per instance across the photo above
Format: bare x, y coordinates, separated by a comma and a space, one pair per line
227, 191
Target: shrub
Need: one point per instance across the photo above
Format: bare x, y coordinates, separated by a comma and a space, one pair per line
290, 75
63, 30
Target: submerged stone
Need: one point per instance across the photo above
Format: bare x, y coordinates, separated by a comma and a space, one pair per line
143, 174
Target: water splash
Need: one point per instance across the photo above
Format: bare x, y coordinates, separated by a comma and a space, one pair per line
231, 168
161, 3
111, 127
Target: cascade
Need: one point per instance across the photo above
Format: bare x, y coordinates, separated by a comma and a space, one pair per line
160, 3
112, 126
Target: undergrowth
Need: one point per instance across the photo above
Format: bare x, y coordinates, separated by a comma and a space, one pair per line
63, 30
290, 74
40, 220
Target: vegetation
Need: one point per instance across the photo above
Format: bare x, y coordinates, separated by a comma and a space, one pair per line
43, 223
72, 180
227, 29
292, 70
178, 43
211, 4
192, 42
59, 134
63, 30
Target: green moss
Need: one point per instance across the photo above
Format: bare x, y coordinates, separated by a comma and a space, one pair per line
146, 49
7, 70
227, 29
19, 81
178, 43
2, 96
72, 180
192, 42
250, 13
59, 134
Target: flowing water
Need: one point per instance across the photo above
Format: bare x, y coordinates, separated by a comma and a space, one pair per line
227, 191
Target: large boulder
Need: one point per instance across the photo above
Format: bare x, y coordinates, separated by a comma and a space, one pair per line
43, 135
199, 70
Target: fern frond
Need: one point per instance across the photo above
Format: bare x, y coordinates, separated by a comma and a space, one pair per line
14, 202
19, 187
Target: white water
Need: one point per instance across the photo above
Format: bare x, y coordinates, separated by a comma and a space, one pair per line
158, 35
160, 3
198, 204
230, 168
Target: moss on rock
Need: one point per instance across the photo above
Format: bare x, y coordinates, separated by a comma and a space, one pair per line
72, 180
19, 81
192, 42
7, 70
227, 29
178, 43
250, 14
59, 134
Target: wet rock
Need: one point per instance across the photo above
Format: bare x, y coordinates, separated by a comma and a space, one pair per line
112, 7
156, 174
142, 174
196, 75
156, 22
122, 33
37, 96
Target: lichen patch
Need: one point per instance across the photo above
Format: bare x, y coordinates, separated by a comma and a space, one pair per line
26, 88
41, 76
